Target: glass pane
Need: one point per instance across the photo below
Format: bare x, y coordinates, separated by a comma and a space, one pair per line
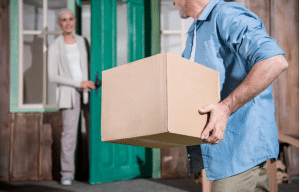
122, 34
33, 69
169, 16
171, 43
51, 87
55, 7
86, 22
32, 14
188, 22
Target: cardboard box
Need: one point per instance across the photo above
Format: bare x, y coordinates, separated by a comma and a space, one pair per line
154, 102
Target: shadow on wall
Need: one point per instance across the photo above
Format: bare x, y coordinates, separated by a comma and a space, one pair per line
33, 75
145, 167
82, 149
55, 122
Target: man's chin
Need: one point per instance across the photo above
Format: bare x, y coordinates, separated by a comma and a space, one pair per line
183, 17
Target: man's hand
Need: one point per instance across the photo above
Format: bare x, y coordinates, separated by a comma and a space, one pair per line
87, 85
259, 78
214, 130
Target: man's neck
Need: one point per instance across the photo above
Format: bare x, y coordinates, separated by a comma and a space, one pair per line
197, 8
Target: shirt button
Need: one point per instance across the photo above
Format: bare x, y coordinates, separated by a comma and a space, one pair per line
243, 36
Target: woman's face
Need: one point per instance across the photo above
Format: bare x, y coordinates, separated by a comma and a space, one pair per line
66, 22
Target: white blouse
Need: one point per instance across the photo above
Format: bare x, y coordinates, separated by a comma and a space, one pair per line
73, 56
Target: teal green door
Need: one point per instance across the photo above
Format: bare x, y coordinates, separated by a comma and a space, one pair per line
114, 162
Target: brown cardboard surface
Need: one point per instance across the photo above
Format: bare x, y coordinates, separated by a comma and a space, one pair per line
190, 86
162, 140
154, 102
134, 99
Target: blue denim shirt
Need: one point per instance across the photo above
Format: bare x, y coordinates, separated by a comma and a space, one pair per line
231, 40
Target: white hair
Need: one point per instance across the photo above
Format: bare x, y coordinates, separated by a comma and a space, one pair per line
60, 12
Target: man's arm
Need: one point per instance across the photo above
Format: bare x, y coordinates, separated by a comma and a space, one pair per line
259, 78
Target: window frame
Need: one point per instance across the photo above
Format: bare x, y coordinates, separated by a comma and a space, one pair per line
182, 32
16, 58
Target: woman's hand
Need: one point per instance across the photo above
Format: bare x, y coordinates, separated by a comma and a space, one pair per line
87, 85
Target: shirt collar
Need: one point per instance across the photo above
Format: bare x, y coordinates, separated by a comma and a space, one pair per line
207, 10
209, 7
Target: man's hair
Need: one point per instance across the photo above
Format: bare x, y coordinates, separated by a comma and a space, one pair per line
63, 11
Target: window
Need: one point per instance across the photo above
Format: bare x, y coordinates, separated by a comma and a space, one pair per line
33, 29
173, 28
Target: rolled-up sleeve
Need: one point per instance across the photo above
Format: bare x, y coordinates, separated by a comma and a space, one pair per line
244, 33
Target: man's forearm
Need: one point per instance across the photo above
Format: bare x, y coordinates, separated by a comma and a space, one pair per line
260, 77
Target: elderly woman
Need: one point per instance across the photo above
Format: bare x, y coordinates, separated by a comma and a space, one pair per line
68, 68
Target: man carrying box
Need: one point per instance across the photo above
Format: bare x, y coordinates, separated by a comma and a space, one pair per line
241, 134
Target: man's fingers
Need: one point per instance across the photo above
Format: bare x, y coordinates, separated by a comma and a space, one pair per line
206, 131
212, 135
206, 109
213, 140
214, 130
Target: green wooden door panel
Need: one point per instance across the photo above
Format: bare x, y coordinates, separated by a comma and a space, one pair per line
103, 49
136, 28
152, 47
114, 162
